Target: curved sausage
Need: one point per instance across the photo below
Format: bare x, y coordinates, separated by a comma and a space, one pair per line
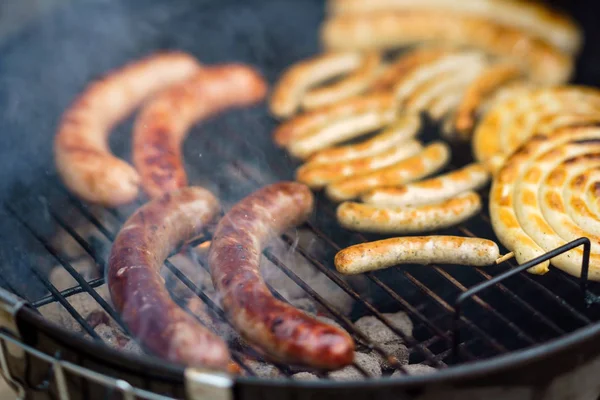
407, 220
385, 30
402, 130
163, 123
433, 158
81, 151
282, 331
425, 250
343, 129
433, 190
540, 20
356, 82
137, 288
303, 124
317, 176
297, 79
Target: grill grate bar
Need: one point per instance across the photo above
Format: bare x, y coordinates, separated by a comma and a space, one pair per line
94, 283
450, 310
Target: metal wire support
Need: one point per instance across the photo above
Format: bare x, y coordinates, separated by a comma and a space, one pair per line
585, 266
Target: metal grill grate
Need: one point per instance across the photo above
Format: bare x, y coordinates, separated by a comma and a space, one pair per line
519, 312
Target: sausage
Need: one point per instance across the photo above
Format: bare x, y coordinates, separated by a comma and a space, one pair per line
407, 220
539, 19
297, 79
356, 82
385, 30
319, 175
402, 130
494, 77
82, 155
581, 200
163, 123
137, 289
433, 158
305, 124
434, 190
282, 331
341, 130
509, 123
425, 250
459, 65
444, 104
405, 64
503, 216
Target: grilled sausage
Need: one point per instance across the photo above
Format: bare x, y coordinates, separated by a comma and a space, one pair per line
317, 176
538, 19
510, 122
385, 30
496, 76
425, 250
404, 65
339, 130
431, 159
164, 122
403, 129
407, 220
81, 151
434, 190
137, 288
581, 194
356, 82
303, 124
282, 331
505, 221
297, 79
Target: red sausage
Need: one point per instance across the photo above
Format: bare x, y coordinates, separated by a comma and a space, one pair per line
137, 289
163, 123
283, 332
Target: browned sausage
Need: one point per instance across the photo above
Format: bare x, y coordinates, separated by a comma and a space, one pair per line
164, 122
137, 289
81, 152
282, 331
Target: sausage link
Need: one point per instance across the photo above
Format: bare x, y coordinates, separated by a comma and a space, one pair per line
407, 220
81, 151
282, 331
431, 159
434, 190
137, 288
319, 175
539, 19
287, 94
303, 124
425, 250
163, 123
379, 31
354, 83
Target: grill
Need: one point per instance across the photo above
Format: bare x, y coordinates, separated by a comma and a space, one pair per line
461, 315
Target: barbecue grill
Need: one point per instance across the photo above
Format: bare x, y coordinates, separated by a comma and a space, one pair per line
490, 332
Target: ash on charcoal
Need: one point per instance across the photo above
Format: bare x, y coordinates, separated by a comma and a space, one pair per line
305, 376
262, 369
192, 270
132, 347
111, 336
396, 349
306, 305
415, 369
332, 293
221, 328
379, 333
62, 279
369, 362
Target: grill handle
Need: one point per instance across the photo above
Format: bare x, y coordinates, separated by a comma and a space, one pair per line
585, 266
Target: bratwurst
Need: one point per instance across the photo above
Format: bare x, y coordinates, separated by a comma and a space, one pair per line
137, 289
282, 331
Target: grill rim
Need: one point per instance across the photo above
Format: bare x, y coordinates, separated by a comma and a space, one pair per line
571, 350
